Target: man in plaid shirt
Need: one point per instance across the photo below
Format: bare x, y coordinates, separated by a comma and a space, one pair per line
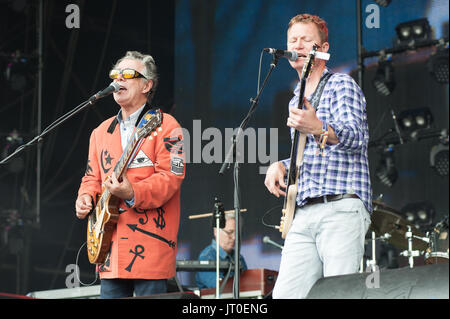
334, 199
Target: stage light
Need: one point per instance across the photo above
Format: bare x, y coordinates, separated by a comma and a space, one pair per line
386, 171
439, 155
384, 81
438, 64
13, 141
19, 68
383, 3
420, 214
416, 30
415, 119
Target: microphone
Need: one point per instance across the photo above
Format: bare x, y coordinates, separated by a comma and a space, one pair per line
113, 87
290, 55
267, 240
293, 55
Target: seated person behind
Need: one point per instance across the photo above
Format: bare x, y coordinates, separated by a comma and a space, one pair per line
207, 279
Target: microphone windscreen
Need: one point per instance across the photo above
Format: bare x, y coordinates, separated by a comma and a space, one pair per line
115, 85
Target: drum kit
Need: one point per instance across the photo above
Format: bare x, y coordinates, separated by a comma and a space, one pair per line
389, 226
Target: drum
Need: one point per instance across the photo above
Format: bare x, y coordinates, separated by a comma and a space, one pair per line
437, 252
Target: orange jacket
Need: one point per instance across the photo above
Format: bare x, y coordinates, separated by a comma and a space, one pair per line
144, 243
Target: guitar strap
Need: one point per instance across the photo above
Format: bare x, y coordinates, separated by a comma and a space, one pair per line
114, 122
315, 99
139, 123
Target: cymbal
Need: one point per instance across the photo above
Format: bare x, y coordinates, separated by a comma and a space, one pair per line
386, 220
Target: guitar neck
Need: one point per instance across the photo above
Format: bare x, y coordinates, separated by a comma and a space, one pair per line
298, 137
121, 165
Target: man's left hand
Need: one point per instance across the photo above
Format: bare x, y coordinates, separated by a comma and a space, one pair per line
305, 120
122, 189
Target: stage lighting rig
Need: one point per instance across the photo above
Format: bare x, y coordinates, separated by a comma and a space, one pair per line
383, 3
420, 214
438, 63
18, 68
439, 155
384, 81
386, 171
412, 120
411, 32
13, 141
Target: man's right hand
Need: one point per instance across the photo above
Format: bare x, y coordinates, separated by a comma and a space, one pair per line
83, 205
275, 179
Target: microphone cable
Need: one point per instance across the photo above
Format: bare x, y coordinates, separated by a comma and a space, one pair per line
77, 268
268, 212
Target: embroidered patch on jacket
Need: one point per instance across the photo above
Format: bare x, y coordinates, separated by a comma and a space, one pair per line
177, 165
141, 160
106, 161
174, 144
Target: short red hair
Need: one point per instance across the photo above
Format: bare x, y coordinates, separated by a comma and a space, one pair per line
319, 22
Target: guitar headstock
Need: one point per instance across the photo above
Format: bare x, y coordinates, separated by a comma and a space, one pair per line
149, 124
309, 62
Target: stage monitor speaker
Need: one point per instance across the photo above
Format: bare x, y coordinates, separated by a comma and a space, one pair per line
169, 295
424, 282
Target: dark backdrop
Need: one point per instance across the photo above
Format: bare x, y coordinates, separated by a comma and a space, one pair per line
208, 54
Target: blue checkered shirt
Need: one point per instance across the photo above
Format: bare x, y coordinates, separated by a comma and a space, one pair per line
344, 167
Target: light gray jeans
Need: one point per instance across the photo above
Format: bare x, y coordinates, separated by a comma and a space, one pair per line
325, 239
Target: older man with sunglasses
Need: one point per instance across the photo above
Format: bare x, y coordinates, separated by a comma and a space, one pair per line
142, 255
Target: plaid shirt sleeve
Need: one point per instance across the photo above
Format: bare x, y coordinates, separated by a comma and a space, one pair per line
348, 119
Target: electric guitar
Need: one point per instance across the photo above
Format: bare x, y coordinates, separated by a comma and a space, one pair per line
103, 218
297, 149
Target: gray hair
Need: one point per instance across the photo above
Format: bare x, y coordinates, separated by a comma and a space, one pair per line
150, 70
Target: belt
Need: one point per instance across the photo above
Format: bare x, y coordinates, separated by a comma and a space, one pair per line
328, 198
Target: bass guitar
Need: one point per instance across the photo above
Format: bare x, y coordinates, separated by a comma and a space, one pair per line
297, 149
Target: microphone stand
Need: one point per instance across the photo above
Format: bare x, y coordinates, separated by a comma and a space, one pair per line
231, 157
51, 127
219, 215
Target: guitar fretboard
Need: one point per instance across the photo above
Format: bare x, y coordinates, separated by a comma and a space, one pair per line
146, 126
120, 166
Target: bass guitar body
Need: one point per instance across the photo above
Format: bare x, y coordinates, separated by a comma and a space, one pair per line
288, 211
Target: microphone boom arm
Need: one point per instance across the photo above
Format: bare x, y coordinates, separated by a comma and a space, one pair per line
52, 126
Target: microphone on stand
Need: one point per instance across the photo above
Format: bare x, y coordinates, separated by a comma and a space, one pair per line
113, 87
267, 240
293, 55
290, 55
